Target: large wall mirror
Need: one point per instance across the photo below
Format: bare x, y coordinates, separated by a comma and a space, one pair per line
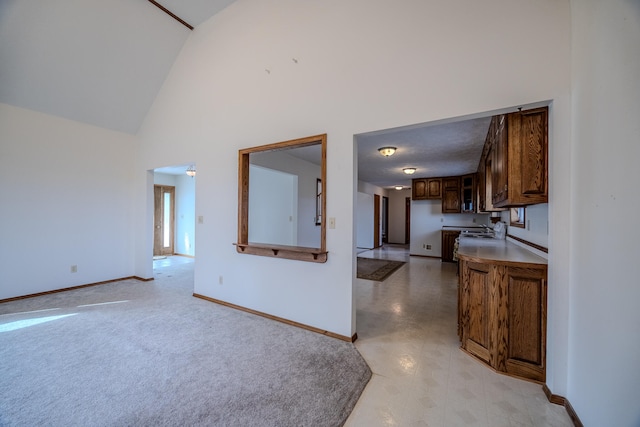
281, 199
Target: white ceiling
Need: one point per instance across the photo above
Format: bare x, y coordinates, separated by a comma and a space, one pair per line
94, 61
435, 150
195, 12
103, 63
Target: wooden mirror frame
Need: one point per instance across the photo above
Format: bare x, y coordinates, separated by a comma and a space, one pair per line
301, 253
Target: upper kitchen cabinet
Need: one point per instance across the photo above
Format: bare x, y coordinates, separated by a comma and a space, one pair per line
426, 188
518, 158
451, 195
468, 193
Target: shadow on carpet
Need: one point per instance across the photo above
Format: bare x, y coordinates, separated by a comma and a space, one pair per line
149, 354
376, 269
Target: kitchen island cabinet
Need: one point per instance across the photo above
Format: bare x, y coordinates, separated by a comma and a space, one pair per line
502, 299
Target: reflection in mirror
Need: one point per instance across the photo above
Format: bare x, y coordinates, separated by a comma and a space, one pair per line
280, 203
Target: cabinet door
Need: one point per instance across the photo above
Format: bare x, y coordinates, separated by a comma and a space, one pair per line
419, 189
523, 311
448, 242
528, 182
468, 193
488, 184
434, 188
451, 195
500, 162
481, 187
476, 310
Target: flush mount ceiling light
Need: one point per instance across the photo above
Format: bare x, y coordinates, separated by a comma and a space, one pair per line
409, 171
398, 187
387, 151
191, 171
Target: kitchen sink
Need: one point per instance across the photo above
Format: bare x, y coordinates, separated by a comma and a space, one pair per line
479, 235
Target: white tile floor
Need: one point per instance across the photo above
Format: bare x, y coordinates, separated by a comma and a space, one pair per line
406, 329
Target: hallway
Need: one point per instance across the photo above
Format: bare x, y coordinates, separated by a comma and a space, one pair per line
406, 329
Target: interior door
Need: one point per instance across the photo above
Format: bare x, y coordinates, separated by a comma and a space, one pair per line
163, 219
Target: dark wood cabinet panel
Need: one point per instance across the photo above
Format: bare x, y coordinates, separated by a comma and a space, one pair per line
513, 169
419, 189
502, 316
451, 195
499, 161
526, 320
477, 333
448, 243
434, 188
520, 159
426, 188
468, 194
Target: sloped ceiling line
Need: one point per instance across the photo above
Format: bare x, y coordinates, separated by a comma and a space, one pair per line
171, 14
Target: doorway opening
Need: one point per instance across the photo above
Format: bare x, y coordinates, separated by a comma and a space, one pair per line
163, 220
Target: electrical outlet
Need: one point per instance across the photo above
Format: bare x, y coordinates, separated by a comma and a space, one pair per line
332, 222
473, 220
428, 247
74, 268
220, 280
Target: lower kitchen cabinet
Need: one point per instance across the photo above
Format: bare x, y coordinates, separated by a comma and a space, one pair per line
502, 315
448, 243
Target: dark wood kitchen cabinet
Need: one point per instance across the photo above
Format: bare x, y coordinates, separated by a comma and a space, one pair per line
426, 188
451, 195
519, 158
502, 315
448, 243
468, 194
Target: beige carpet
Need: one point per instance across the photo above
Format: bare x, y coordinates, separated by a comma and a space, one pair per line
376, 269
134, 353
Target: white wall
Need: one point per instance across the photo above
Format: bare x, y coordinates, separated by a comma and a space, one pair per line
66, 191
536, 228
307, 173
604, 348
427, 221
364, 221
186, 215
370, 65
397, 215
273, 201
365, 214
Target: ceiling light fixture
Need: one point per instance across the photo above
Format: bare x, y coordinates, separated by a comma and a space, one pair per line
399, 187
191, 171
387, 151
409, 171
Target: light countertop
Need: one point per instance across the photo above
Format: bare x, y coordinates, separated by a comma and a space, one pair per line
496, 250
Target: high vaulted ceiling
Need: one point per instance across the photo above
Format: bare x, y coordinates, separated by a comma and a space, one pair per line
103, 63
93, 61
